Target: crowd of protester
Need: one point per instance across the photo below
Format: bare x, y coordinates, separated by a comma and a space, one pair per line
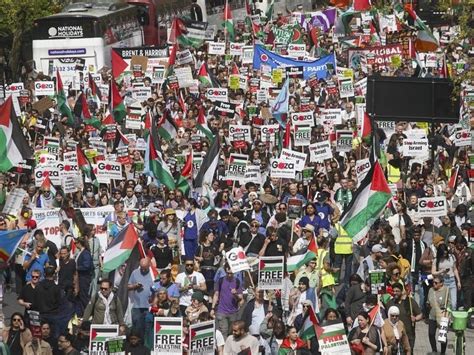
428, 262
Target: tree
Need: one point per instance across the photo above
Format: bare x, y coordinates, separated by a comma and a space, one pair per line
16, 19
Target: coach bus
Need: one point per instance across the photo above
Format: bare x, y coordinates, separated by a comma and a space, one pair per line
83, 34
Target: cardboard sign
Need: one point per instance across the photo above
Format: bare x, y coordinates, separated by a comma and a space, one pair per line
432, 206
184, 57
333, 340
462, 138
202, 339
237, 260
42, 105
268, 133
377, 280
99, 334
139, 61
218, 94
240, 133
319, 152
237, 167
270, 272
302, 136
302, 118
247, 55
185, 76
283, 168
168, 335
346, 88
216, 48
44, 88
298, 157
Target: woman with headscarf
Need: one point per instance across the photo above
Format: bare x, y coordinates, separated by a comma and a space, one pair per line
364, 339
395, 333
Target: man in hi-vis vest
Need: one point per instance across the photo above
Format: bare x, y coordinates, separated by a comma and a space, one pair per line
343, 251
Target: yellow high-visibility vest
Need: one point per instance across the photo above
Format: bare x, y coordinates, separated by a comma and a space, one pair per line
343, 243
393, 174
326, 278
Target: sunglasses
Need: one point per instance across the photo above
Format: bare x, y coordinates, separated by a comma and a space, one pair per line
16, 319
254, 225
188, 265
394, 315
35, 277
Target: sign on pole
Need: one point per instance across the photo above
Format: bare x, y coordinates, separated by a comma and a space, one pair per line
237, 260
282, 168
237, 167
432, 206
270, 272
116, 346
168, 334
333, 340
99, 334
377, 281
202, 339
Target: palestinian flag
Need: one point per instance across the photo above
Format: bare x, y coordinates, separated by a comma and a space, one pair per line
367, 205
9, 242
166, 127
179, 34
85, 166
118, 64
186, 174
81, 108
61, 100
120, 140
295, 262
453, 180
228, 22
297, 37
168, 326
157, 166
286, 348
202, 124
14, 147
202, 330
311, 327
366, 129
94, 90
204, 77
120, 248
102, 333
426, 41
116, 103
209, 165
172, 58
182, 103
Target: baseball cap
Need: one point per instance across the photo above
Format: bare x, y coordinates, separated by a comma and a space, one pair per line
378, 248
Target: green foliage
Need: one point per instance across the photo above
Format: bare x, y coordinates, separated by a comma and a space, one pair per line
18, 15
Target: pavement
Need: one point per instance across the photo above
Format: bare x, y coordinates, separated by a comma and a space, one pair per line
422, 344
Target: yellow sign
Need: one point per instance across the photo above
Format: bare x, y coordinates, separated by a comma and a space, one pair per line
234, 82
396, 61
348, 73
277, 76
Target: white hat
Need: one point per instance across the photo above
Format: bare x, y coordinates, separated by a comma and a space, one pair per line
393, 311
378, 248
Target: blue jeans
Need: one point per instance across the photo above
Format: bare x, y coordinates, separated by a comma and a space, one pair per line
138, 319
450, 282
347, 258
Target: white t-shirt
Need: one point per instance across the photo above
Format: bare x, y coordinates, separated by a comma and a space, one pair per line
258, 316
396, 222
183, 280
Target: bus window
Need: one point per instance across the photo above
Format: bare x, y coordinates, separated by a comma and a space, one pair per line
143, 17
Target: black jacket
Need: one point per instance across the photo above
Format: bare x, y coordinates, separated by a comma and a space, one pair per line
48, 297
248, 310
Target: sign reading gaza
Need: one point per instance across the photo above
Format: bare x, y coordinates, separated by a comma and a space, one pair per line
432, 207
316, 67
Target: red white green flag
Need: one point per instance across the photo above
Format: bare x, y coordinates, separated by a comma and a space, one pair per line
86, 166
202, 124
61, 99
228, 22
116, 103
204, 77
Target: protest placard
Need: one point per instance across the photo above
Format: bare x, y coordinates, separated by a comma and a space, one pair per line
253, 173
346, 88
237, 259
240, 133
362, 168
14, 201
184, 57
432, 206
116, 345
302, 136
268, 133
217, 94
168, 335
70, 184
283, 168
141, 93
247, 54
343, 141
99, 333
44, 88
330, 117
320, 151
134, 118
235, 48
302, 118
298, 157
270, 272
234, 82
237, 167
415, 147
462, 138
185, 76
333, 340
47, 170
296, 50
216, 48
377, 279
109, 170
295, 208
202, 338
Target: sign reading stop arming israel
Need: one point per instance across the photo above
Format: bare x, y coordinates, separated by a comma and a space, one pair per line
270, 272
168, 336
99, 334
201, 338
432, 206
